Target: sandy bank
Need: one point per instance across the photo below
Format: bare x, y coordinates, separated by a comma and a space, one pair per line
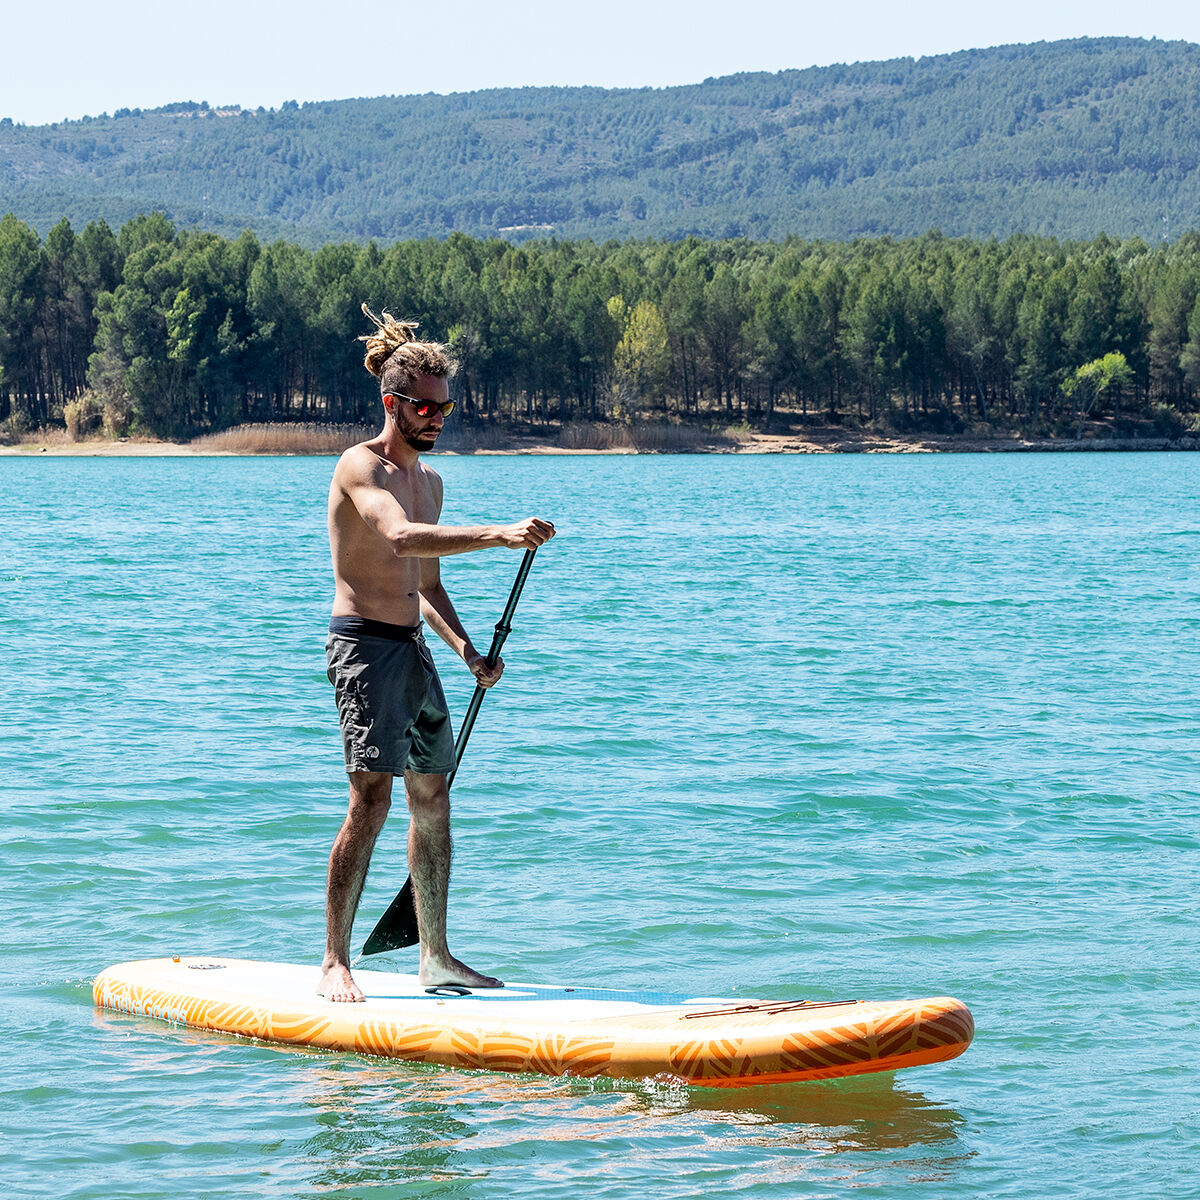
830, 441
104, 450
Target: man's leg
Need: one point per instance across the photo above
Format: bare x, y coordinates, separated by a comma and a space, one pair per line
370, 799
429, 865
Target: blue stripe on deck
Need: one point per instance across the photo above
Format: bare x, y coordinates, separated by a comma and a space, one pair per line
529, 993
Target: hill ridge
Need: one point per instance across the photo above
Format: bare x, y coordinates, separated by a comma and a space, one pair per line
1068, 139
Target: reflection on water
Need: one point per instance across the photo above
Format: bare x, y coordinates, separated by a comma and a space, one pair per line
384, 1121
867, 1113
379, 1124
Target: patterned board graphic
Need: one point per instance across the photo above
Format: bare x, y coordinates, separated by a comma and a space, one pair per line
752, 1042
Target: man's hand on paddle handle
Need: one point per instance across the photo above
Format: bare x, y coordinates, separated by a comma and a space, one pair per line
526, 535
485, 676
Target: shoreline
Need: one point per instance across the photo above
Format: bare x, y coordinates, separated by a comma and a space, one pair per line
825, 441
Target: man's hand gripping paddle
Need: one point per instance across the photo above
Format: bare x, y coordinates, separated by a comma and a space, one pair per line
397, 927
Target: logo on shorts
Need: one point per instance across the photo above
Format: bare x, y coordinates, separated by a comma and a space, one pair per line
372, 751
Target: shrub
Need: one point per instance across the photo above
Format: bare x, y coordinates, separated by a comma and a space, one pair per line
118, 415
83, 415
1167, 420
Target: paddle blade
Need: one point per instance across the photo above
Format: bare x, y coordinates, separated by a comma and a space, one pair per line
397, 928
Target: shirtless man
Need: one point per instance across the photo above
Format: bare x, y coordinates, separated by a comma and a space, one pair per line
384, 505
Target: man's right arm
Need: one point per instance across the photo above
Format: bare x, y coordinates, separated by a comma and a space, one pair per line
363, 485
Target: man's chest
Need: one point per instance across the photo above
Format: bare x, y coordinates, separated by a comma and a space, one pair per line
416, 497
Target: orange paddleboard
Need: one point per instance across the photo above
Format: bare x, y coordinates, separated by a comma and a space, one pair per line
581, 1031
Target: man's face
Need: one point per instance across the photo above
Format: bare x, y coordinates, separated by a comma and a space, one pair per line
421, 433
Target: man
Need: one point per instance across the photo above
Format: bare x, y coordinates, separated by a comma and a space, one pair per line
384, 505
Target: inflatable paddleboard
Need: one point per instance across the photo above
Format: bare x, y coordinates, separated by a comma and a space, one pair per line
580, 1031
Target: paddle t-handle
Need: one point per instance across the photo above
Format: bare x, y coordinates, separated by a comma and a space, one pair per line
397, 928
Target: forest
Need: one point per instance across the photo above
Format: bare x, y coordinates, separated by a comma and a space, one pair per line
1066, 139
164, 332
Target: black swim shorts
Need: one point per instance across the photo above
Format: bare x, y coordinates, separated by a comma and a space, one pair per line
389, 698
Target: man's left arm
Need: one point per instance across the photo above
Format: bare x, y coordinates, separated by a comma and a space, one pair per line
438, 612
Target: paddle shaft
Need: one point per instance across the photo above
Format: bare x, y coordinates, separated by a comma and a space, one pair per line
499, 637
397, 928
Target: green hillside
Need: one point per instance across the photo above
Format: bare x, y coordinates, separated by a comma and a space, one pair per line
1065, 139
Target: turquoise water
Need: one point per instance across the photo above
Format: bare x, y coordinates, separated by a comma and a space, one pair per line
832, 727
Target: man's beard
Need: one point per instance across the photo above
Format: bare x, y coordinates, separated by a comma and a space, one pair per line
422, 440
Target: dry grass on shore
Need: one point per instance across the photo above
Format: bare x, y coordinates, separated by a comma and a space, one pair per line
277, 438
658, 438
311, 438
591, 435
467, 439
305, 438
45, 435
458, 438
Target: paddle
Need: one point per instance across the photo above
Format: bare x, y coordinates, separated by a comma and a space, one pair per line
397, 927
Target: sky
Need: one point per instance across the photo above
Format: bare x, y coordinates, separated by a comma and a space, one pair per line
83, 57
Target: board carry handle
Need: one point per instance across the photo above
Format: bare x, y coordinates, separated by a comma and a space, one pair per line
397, 928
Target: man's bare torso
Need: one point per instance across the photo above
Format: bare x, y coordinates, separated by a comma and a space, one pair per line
370, 579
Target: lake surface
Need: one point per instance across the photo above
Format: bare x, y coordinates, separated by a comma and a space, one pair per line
822, 727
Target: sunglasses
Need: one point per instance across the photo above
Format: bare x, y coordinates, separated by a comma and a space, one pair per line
425, 408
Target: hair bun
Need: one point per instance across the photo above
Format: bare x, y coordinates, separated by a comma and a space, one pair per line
388, 337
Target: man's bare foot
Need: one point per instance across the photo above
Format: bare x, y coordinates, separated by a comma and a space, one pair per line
338, 985
448, 971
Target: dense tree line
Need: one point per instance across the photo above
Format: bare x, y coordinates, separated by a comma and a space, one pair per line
175, 332
1067, 139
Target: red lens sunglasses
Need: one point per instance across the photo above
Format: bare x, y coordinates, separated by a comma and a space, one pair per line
425, 408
